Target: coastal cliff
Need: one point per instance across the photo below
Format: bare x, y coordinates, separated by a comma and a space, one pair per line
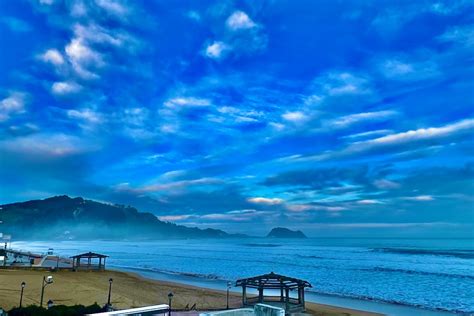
66, 218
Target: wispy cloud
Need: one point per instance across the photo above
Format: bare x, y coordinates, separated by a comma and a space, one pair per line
369, 202
422, 134
187, 102
165, 187
295, 117
263, 200
12, 105
347, 120
421, 198
53, 56
64, 88
85, 115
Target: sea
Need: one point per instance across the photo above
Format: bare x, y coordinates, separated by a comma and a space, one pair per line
390, 276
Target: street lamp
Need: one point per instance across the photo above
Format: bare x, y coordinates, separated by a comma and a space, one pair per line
170, 297
23, 284
46, 281
229, 285
110, 292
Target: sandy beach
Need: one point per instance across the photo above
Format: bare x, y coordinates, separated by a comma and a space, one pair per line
128, 290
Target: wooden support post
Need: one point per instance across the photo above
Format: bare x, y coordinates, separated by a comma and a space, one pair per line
287, 301
302, 298
260, 294
244, 294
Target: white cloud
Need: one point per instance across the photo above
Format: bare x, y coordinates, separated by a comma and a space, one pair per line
313, 100
263, 200
298, 208
239, 20
93, 33
348, 120
277, 126
398, 69
169, 128
82, 56
343, 83
296, 116
65, 87
393, 67
421, 134
386, 184
421, 198
53, 56
78, 51
216, 50
369, 202
47, 145
135, 116
87, 115
78, 9
174, 218
369, 133
46, 2
12, 105
177, 185
112, 7
187, 102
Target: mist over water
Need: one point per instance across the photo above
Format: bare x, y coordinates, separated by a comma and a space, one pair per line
427, 273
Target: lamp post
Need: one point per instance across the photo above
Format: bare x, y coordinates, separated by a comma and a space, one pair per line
170, 297
110, 292
229, 285
23, 284
46, 281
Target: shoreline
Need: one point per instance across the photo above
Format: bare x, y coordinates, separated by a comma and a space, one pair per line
129, 289
214, 282
337, 301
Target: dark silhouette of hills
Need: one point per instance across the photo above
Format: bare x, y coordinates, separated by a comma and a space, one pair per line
281, 232
63, 217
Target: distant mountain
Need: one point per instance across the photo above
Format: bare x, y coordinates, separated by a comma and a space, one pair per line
62, 217
280, 232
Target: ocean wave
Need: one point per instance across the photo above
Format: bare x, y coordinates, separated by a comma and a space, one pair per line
312, 290
324, 258
440, 274
463, 254
389, 301
170, 272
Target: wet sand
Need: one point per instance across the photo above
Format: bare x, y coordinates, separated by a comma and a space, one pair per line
128, 290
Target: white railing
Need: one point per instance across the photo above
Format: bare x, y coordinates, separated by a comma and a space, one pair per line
148, 310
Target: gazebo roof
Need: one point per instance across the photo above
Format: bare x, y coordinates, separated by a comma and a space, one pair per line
272, 281
89, 255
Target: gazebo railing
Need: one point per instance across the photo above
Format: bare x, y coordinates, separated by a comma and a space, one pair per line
255, 299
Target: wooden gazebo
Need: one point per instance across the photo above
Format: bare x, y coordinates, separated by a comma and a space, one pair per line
79, 264
275, 282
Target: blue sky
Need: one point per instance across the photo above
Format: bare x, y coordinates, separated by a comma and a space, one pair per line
340, 118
